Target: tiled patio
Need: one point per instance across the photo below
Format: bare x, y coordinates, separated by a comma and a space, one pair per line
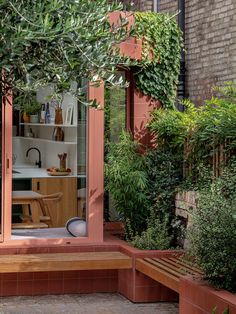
82, 303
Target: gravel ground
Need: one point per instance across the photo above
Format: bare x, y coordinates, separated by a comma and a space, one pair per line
99, 303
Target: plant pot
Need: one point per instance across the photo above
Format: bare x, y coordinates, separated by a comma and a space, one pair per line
34, 118
26, 118
58, 116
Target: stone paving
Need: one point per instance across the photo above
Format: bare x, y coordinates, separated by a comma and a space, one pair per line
100, 303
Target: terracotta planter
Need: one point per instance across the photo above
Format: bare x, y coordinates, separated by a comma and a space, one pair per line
114, 227
196, 296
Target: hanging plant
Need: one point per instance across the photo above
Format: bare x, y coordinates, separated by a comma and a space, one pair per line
157, 73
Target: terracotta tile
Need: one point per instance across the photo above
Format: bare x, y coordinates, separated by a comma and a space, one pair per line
85, 285
103, 248
100, 285
55, 286
86, 249
168, 295
87, 273
40, 287
187, 308
25, 287
52, 275
33, 250
57, 250
70, 286
9, 276
72, 274
9, 288
113, 285
42, 275
6, 251
25, 276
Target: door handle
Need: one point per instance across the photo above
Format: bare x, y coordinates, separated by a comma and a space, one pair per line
7, 165
38, 186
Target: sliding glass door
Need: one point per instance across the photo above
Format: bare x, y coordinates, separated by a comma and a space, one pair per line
1, 151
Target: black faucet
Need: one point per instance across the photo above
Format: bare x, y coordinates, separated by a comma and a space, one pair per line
37, 163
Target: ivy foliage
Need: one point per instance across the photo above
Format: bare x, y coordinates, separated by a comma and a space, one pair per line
57, 41
157, 75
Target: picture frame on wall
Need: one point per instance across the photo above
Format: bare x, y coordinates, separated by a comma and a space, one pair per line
69, 114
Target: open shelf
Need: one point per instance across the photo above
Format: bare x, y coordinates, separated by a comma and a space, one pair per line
51, 125
44, 140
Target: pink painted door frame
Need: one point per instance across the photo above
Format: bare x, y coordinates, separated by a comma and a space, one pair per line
6, 165
95, 176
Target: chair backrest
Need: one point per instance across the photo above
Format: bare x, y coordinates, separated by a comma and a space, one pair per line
49, 203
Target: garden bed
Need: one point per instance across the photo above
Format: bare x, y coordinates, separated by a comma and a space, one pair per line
197, 296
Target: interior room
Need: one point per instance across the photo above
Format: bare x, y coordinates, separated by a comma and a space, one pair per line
49, 157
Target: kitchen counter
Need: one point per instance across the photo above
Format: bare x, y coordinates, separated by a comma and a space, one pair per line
30, 171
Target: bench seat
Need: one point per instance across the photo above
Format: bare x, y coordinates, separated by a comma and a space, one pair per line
167, 271
64, 262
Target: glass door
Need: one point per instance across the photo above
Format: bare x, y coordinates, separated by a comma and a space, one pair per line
1, 195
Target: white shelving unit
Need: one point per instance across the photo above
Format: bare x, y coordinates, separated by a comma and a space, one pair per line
51, 125
45, 140
74, 144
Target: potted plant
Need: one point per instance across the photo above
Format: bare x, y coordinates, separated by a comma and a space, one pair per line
26, 102
31, 109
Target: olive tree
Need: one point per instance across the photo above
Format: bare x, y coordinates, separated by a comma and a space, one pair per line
56, 41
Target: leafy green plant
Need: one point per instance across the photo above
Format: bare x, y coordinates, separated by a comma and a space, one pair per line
164, 175
156, 236
127, 181
213, 234
59, 41
26, 102
157, 73
199, 134
31, 108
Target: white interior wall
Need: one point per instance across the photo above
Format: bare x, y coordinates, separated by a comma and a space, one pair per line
50, 150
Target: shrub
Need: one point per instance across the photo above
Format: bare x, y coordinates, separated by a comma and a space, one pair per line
126, 181
156, 236
213, 234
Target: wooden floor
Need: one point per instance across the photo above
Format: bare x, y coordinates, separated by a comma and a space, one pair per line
64, 262
167, 271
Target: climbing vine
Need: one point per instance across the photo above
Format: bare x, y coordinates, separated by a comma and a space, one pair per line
157, 73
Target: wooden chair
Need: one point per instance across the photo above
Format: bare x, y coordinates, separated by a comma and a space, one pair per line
81, 197
48, 203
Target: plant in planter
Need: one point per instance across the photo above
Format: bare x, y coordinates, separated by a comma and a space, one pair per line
31, 109
213, 233
26, 103
126, 181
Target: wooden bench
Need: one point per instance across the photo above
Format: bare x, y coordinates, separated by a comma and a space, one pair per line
64, 261
168, 270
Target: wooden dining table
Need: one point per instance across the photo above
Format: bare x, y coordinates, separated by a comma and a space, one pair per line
29, 200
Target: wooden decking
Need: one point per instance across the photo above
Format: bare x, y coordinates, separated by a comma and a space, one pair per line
64, 262
167, 271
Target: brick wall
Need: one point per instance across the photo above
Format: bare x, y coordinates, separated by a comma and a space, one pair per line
210, 44
210, 41
168, 5
141, 5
